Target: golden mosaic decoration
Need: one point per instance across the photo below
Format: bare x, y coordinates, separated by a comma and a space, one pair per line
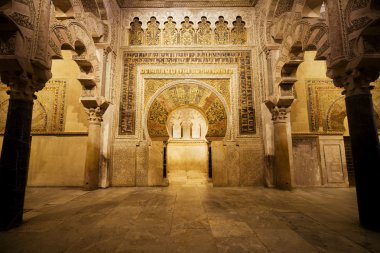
48, 109
191, 95
327, 108
241, 59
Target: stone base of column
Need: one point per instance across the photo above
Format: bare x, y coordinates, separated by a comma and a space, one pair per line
14, 163
366, 158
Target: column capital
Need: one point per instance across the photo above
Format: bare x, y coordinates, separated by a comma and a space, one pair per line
278, 110
356, 81
95, 108
22, 85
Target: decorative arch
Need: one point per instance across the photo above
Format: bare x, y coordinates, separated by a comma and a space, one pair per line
335, 116
186, 82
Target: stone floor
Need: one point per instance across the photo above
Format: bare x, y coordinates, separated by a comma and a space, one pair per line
190, 219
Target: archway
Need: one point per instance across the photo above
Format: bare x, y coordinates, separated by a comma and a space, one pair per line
186, 115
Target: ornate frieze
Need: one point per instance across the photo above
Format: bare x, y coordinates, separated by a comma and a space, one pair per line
188, 34
241, 59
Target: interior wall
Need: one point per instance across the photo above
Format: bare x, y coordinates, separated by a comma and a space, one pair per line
314, 95
58, 159
307, 70
75, 115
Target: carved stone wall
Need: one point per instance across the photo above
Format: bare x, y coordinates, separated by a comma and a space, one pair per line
237, 164
241, 59
48, 109
124, 164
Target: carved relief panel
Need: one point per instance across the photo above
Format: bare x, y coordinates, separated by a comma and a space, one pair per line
239, 32
170, 32
187, 32
153, 32
221, 32
136, 33
204, 31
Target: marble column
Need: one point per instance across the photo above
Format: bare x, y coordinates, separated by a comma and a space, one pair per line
95, 110
15, 152
283, 162
364, 144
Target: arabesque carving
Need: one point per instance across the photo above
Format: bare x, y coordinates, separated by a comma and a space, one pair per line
221, 32
187, 32
170, 32
136, 33
239, 32
153, 32
204, 31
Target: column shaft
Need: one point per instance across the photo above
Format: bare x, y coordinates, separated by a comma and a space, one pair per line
282, 172
91, 176
366, 157
14, 162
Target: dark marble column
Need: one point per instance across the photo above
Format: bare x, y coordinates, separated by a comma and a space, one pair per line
364, 145
14, 162
366, 157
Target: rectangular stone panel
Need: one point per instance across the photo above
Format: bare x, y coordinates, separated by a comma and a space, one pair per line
232, 164
333, 160
156, 162
142, 163
219, 172
124, 164
307, 170
251, 165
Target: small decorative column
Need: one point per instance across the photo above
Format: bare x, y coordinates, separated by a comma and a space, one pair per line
95, 108
364, 143
15, 153
283, 161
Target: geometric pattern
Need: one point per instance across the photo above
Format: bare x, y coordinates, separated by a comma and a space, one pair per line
48, 108
241, 58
